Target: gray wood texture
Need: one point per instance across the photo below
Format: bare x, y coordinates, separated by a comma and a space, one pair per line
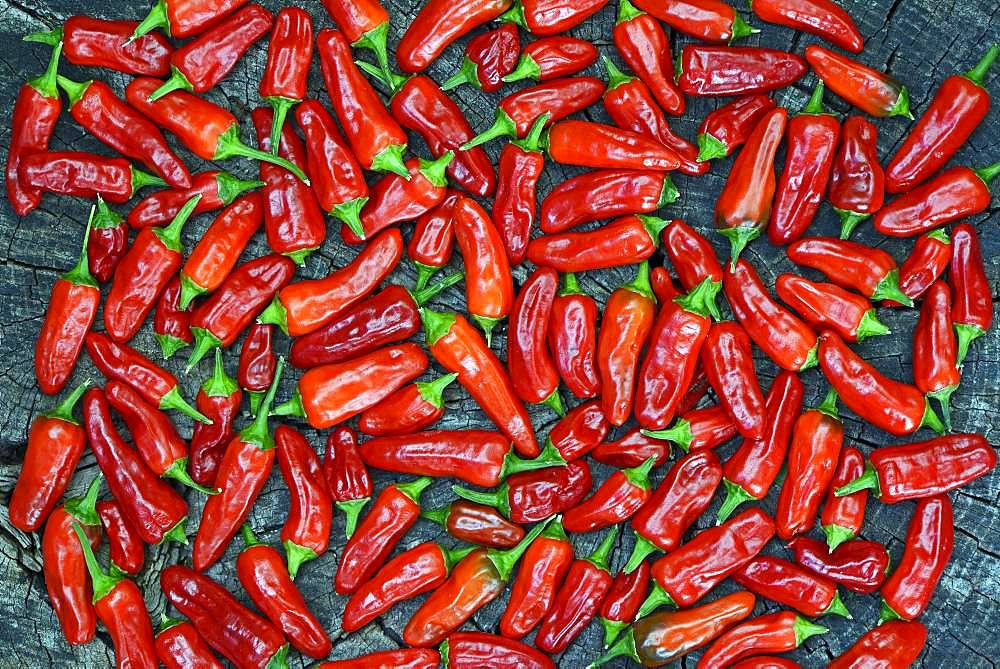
918, 41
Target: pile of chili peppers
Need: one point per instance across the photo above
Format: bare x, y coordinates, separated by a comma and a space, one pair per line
652, 352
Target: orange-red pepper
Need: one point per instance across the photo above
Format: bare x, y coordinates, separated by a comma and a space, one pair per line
869, 90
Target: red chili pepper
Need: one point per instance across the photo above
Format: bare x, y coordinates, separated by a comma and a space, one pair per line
542, 571
240, 635
184, 18
694, 430
85, 175
788, 584
553, 57
579, 431
843, 516
616, 500
409, 409
217, 190
289, 55
438, 24
179, 646
366, 24
935, 350
817, 17
206, 129
870, 271
433, 238
959, 105
643, 45
346, 476
699, 384
534, 375
625, 241
171, 324
107, 241
155, 437
695, 261
124, 543
971, 311
771, 633
93, 42
531, 496
156, 511
869, 90
620, 606
471, 650
572, 338
601, 146
257, 363
730, 70
476, 580
520, 167
476, 524
550, 17
766, 662
827, 305
63, 565
605, 194
926, 263
728, 127
488, 286
245, 467
744, 206
219, 398
393, 513
896, 643
306, 531
857, 565
707, 20
489, 58
308, 305
926, 552
857, 181
727, 359
404, 658
898, 408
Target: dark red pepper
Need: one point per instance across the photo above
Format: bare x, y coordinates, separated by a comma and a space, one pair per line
823, 18
857, 181
971, 309
346, 475
184, 18
219, 398
306, 532
843, 516
621, 604
534, 375
579, 431
107, 242
870, 271
542, 572
125, 546
727, 359
551, 58
179, 646
472, 650
217, 190
409, 409
617, 499
438, 24
935, 350
730, 70
926, 552
489, 58
896, 643
857, 565
827, 305
550, 17
605, 194
927, 261
869, 90
171, 323
531, 496
85, 175
590, 144
257, 364
694, 260
695, 430
433, 238
573, 338
289, 55
706, 20
728, 127
769, 633
94, 42
788, 584
643, 45
476, 524
520, 167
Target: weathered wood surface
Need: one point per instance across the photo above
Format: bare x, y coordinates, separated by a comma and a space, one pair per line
918, 41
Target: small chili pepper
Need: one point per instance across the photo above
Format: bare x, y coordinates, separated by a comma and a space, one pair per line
206, 129
308, 305
550, 17
409, 409
470, 650
475, 524
601, 146
927, 261
460, 349
85, 175
843, 516
534, 375
217, 190
346, 476
817, 17
870, 271
366, 24
551, 58
245, 467
393, 513
869, 90
643, 45
625, 241
474, 582
706, 20
489, 57
616, 500
306, 531
744, 206
971, 310
107, 242
898, 408
694, 259
605, 194
289, 55
531, 496
770, 633
184, 18
403, 658
728, 70
857, 181
179, 646
94, 42
659, 639
124, 543
155, 510
959, 105
257, 362
827, 305
695, 430
171, 323
896, 643
788, 584
438, 24
433, 239
579, 431
857, 565
935, 350
489, 288
728, 127
520, 167
63, 567
243, 637
727, 359
219, 398
572, 338
620, 606
413, 572
542, 572
155, 437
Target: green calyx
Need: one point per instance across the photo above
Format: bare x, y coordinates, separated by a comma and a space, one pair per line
249, 538
105, 217
415, 488
814, 106
178, 472
669, 193
156, 18
296, 556
514, 15
498, 499
657, 597
387, 78
741, 28
170, 234
352, 509
867, 481
103, 583
424, 274
468, 73
229, 187
176, 533
390, 159
599, 558
616, 77
142, 179
169, 344
175, 82
174, 400
526, 68
887, 614
829, 404
189, 290
554, 402
279, 660
50, 37
487, 324
64, 410
503, 126
640, 284
505, 561
166, 623
849, 220
280, 106
965, 334
639, 476
548, 457
679, 433
940, 235
257, 432
75, 90
230, 144
735, 496
436, 324
219, 384
437, 516
434, 170
643, 549
275, 314
739, 237
452, 556
204, 341
376, 40
299, 256
701, 299
654, 226
349, 213
902, 105
931, 419
627, 11
710, 147
836, 535
943, 396
804, 629
871, 326
432, 392
532, 142
80, 274
83, 508
424, 294
888, 289
988, 173
292, 407
624, 647
570, 285
46, 83
612, 628
978, 73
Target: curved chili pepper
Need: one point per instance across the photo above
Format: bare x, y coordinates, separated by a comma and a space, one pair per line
572, 338
393, 513
971, 310
438, 24
926, 552
308, 305
217, 190
155, 510
107, 242
471, 650
521, 164
870, 271
184, 18
625, 241
241, 636
898, 408
620, 606
857, 565
475, 581
551, 58
85, 175
927, 261
94, 42
531, 496
616, 500
433, 238
366, 24
857, 181
542, 571
935, 350
179, 646
843, 516
823, 18
706, 20
475, 524
643, 45
579, 431
601, 146
245, 467
959, 105
219, 398
728, 127
206, 129
869, 90
289, 54
489, 58
605, 194
827, 305
403, 658
306, 531
550, 17
63, 567
730, 70
534, 375
694, 260
346, 476
171, 323
727, 359
896, 643
695, 430
257, 363
409, 409
124, 543
488, 286
744, 206
771, 633
790, 585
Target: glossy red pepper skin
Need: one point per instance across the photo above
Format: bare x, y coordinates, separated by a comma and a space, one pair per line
869, 90
766, 662
695, 430
695, 567
550, 17
171, 324
107, 242
179, 646
532, 496
542, 572
257, 363
728, 70
404, 658
828, 306
306, 532
644, 46
857, 180
244, 638
926, 552
727, 359
217, 189
220, 399
471, 650
728, 127
604, 194
823, 18
971, 308
124, 543
870, 271
438, 24
185, 18
520, 167
927, 261
551, 58
694, 260
601, 146
476, 524
346, 475
896, 643
625, 241
365, 22
770, 633
935, 349
433, 239
579, 431
788, 584
572, 338
706, 20
289, 55
489, 57
857, 565
94, 42
532, 371
842, 517
621, 604
84, 175
409, 409
898, 408
617, 499
955, 193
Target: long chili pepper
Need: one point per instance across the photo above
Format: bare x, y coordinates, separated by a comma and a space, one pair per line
471, 650
489, 57
520, 167
870, 271
788, 584
843, 516
550, 17
476, 524
263, 575
216, 253
366, 24
245, 467
124, 543
438, 24
927, 261
289, 55
935, 350
643, 45
257, 363
857, 565
621, 604
308, 305
572, 338
474, 582
553, 57
625, 241
243, 637
542, 572
206, 129
898, 408
869, 90
346, 476
489, 287
532, 371
744, 206
694, 259
706, 20
94, 42
393, 513
728, 127
156, 511
827, 305
695, 430
107, 242
659, 639
433, 239
601, 146
605, 194
85, 175
63, 567
727, 359
156, 385
403, 658
179, 646
728, 70
959, 105
409, 409
926, 552
155, 436
616, 500
531, 496
184, 18
971, 309
823, 18
219, 398
306, 533
896, 643
770, 633
579, 431
171, 323
857, 181
217, 190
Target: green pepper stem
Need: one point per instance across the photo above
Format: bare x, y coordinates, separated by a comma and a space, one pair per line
46, 83
64, 410
415, 488
436, 324
988, 173
487, 325
293, 407
376, 40
639, 476
977, 73
640, 284
437, 516
390, 159
526, 68
74, 89
169, 344
867, 481
432, 392
624, 647
352, 509
836, 535
296, 556
710, 147
741, 28
571, 285
532, 142
654, 226
280, 106
599, 558
503, 126
249, 538
230, 144
943, 396
735, 496
965, 334
815, 104
424, 274
849, 220
175, 82
50, 37
204, 341
505, 561
219, 384
257, 432
804, 629
103, 583
871, 326
554, 402
738, 238
174, 400
178, 472
142, 179
643, 549
679, 433
434, 170
498, 498
931, 419
887, 614
170, 234
627, 11
616, 77
275, 314
548, 457
83, 508
612, 628
453, 556
668, 194
888, 289
424, 294
829, 404
468, 73
701, 299
80, 274
156, 18
228, 187
657, 597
